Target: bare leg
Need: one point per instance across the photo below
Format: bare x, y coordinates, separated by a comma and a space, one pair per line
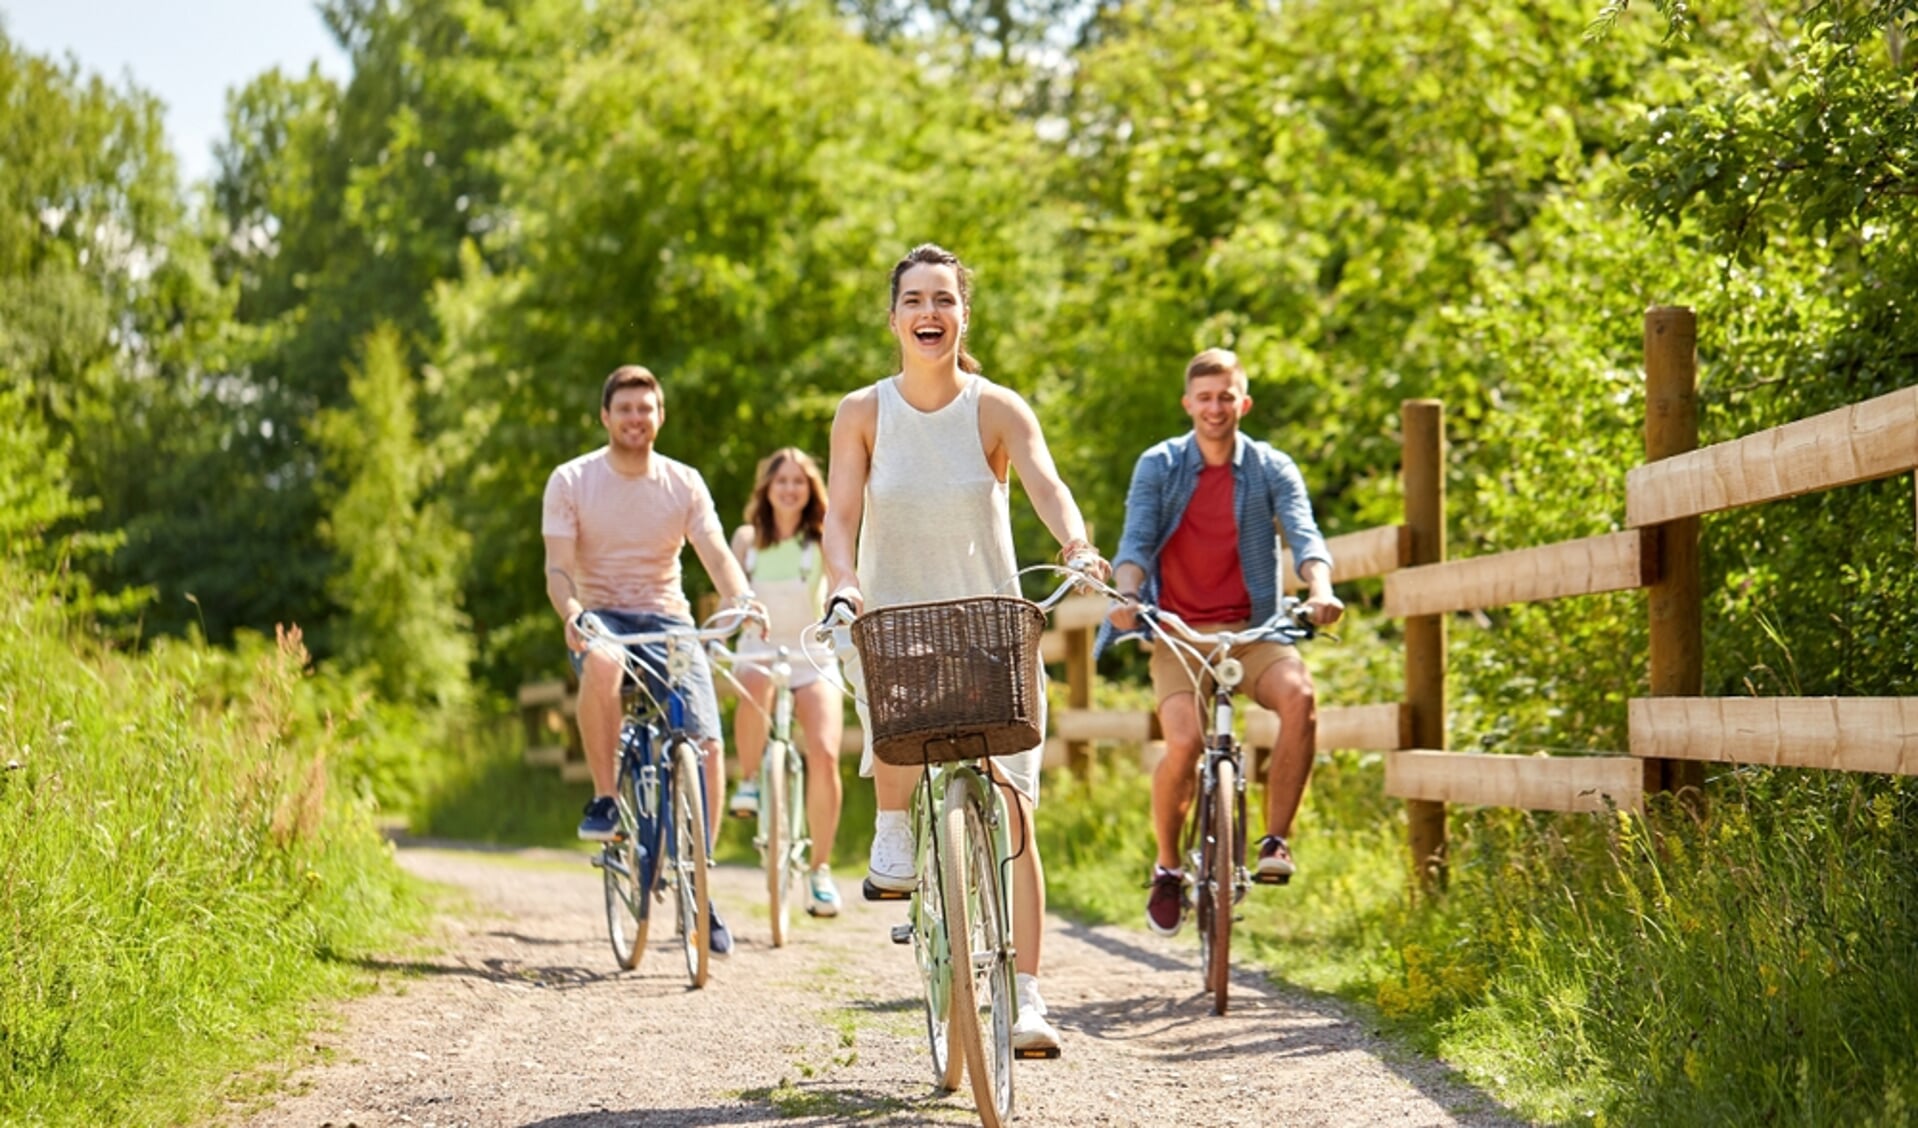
600, 713
1176, 777
1287, 690
892, 785
1028, 886
749, 723
818, 708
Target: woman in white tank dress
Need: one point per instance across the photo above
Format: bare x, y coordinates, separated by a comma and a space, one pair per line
921, 458
779, 548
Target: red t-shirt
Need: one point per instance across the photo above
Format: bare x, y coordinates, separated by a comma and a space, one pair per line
1199, 576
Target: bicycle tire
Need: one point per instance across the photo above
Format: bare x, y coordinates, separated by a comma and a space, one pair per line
628, 899
689, 861
931, 951
775, 851
1221, 873
992, 935
798, 831
960, 883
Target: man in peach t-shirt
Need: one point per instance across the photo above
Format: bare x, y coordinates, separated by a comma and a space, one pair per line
614, 522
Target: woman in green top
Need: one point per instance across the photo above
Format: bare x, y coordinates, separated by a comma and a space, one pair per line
779, 548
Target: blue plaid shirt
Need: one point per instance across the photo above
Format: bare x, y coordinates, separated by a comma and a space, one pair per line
1267, 489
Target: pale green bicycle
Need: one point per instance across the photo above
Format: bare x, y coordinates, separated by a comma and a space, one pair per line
781, 834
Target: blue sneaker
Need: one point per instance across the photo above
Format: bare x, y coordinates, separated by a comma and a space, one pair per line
719, 938
824, 901
601, 823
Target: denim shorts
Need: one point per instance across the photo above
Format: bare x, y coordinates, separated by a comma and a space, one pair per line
702, 704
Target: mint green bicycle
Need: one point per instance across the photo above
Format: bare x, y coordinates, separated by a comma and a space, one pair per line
950, 684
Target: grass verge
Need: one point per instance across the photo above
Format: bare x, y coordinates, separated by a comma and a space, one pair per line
180, 877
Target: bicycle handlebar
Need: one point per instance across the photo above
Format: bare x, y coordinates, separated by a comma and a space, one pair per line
720, 627
1290, 624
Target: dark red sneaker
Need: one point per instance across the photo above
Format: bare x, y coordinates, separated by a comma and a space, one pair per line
1165, 908
1275, 861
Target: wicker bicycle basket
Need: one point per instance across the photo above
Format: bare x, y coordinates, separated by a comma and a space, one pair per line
953, 680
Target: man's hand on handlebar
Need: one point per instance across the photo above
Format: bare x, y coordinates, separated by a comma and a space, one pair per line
1324, 610
581, 630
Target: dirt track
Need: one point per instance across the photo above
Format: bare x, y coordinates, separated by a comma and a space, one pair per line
519, 1018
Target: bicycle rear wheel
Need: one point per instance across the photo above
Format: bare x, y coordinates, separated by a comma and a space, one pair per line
1216, 891
628, 899
775, 840
981, 976
689, 860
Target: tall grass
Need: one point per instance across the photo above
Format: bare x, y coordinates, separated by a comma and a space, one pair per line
1756, 967
178, 876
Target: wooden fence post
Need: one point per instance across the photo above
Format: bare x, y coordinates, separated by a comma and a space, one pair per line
1676, 601
1079, 670
1423, 423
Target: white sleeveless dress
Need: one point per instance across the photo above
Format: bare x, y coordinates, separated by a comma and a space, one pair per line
937, 526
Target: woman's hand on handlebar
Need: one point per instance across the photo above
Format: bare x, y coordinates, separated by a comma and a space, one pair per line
1085, 559
842, 607
851, 599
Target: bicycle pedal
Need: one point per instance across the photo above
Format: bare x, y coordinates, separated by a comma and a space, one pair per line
1271, 879
1042, 1053
902, 933
599, 861
874, 893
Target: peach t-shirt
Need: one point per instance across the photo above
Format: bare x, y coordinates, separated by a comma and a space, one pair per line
628, 532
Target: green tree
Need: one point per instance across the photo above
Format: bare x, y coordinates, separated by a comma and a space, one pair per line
403, 559
107, 313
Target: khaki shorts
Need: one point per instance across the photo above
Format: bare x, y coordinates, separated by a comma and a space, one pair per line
1169, 677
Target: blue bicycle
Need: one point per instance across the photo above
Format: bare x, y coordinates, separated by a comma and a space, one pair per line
662, 839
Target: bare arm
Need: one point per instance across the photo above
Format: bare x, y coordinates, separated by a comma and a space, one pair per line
853, 428
1325, 607
562, 590
720, 563
1012, 427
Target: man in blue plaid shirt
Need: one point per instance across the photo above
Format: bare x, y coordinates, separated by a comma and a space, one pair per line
1199, 542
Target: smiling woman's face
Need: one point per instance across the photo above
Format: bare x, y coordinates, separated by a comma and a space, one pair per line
929, 316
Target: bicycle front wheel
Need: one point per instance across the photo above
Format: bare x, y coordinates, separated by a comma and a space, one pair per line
775, 838
1216, 888
628, 898
689, 860
932, 949
981, 952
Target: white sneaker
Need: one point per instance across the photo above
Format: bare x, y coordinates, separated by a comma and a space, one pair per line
1031, 1031
890, 865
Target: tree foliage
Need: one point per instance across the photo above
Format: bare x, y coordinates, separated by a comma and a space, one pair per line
404, 558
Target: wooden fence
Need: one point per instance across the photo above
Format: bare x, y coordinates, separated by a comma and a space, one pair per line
1672, 733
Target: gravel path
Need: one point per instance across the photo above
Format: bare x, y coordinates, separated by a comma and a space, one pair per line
516, 1016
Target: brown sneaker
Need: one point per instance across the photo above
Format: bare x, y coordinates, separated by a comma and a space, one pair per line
1275, 861
1165, 908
